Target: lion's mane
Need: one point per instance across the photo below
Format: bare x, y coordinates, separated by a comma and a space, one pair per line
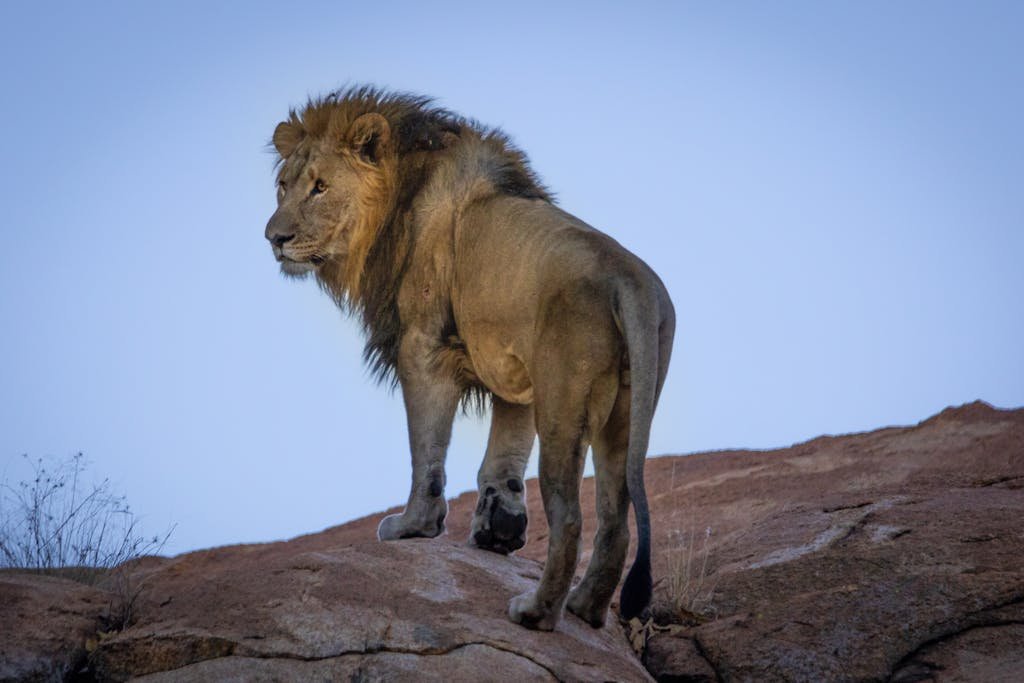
368, 280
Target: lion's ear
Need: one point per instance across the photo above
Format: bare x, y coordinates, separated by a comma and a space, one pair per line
369, 136
287, 137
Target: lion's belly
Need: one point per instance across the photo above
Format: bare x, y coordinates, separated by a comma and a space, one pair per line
501, 370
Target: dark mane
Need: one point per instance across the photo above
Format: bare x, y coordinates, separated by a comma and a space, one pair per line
420, 132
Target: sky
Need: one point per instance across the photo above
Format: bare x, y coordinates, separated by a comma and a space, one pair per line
832, 193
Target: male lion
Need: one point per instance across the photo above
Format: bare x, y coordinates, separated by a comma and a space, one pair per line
470, 282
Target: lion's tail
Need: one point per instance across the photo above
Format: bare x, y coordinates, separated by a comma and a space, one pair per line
640, 319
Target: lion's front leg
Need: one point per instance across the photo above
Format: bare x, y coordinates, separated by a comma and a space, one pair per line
499, 522
431, 399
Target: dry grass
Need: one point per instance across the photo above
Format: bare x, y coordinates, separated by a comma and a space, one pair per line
57, 524
688, 585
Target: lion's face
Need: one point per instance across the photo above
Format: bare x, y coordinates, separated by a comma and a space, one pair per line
316, 212
328, 189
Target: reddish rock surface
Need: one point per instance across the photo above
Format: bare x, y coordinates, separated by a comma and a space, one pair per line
310, 609
891, 555
45, 623
412, 610
897, 553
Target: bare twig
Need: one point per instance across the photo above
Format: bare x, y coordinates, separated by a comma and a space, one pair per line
55, 523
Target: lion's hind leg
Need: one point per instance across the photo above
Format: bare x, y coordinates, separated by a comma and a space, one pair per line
564, 439
561, 464
590, 599
567, 413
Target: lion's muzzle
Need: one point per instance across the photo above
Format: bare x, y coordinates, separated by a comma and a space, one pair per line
280, 230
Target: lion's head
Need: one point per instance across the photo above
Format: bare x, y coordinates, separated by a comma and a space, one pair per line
333, 187
347, 161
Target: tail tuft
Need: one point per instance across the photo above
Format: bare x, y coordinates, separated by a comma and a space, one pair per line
637, 589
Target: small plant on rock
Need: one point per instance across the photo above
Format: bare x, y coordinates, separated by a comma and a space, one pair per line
688, 586
55, 523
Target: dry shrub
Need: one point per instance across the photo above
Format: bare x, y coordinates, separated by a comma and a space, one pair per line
688, 584
55, 523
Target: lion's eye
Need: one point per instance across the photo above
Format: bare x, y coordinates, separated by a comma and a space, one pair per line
319, 187
280, 186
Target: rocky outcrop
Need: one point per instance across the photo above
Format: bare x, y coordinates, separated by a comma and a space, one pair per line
46, 623
313, 610
415, 610
891, 555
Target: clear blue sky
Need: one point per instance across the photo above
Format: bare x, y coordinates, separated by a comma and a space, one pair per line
832, 193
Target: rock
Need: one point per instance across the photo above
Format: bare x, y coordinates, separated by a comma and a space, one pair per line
986, 653
889, 555
896, 553
677, 658
415, 610
838, 558
45, 623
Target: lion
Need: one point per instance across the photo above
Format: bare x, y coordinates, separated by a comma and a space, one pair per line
472, 285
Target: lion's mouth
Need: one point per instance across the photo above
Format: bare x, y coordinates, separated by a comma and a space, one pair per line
292, 264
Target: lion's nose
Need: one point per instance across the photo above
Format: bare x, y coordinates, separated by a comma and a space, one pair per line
279, 230
280, 240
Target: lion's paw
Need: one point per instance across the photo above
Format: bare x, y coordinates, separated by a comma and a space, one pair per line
582, 605
499, 523
527, 611
394, 527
